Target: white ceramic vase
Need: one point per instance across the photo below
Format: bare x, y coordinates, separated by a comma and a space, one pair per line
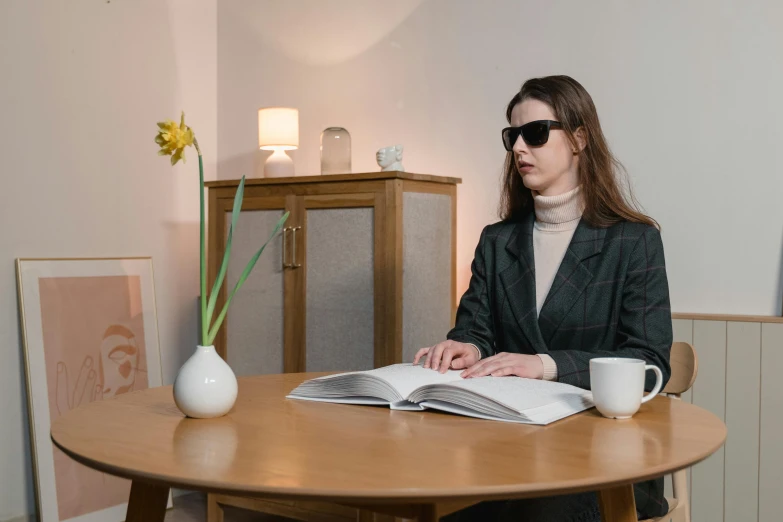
205, 386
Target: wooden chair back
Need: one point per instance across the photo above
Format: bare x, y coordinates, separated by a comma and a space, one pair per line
685, 366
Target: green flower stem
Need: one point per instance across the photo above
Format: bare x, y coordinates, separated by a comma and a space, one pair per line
245, 273
227, 254
209, 330
203, 263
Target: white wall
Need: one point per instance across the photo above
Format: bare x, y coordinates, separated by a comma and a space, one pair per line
689, 95
83, 84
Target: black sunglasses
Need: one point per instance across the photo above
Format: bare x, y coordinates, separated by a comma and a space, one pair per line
535, 133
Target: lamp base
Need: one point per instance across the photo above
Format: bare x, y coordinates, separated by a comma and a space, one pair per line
278, 165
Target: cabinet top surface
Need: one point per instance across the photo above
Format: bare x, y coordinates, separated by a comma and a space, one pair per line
270, 444
330, 178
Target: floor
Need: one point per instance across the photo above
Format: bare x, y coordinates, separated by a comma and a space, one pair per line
192, 507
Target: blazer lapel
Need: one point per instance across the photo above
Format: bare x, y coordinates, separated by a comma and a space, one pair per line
572, 278
519, 282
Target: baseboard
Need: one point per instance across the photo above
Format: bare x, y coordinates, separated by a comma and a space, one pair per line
23, 518
175, 492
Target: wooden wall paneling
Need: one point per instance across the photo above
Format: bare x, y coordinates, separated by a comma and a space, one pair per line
743, 388
771, 429
709, 392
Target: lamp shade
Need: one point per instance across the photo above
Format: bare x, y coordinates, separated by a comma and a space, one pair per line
278, 128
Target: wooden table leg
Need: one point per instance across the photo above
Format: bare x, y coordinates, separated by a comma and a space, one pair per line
214, 509
147, 502
429, 513
617, 504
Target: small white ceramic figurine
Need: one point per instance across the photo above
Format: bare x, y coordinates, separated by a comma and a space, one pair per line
390, 158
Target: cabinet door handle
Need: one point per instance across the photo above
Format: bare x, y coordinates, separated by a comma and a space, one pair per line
294, 264
285, 231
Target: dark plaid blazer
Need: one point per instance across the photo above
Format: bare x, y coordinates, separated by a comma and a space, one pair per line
610, 297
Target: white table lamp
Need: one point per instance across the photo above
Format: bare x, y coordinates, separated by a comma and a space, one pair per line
278, 130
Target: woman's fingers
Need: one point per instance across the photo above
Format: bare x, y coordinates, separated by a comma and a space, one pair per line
479, 366
488, 368
430, 352
459, 363
446, 355
446, 359
433, 356
503, 372
457, 356
504, 364
421, 353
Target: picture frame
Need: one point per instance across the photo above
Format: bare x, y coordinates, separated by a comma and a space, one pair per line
90, 332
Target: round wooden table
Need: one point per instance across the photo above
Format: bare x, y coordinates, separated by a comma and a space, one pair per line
412, 464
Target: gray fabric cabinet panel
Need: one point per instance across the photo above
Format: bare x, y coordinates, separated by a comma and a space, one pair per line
426, 270
254, 328
339, 289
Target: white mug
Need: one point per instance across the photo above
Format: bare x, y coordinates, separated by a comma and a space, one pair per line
618, 385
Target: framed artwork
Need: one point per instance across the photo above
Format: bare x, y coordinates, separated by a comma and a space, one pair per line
90, 333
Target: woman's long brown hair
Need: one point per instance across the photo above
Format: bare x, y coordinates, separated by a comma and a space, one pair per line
599, 171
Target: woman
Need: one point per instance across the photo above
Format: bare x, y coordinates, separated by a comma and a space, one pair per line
573, 271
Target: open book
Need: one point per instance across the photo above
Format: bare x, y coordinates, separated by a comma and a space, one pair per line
409, 387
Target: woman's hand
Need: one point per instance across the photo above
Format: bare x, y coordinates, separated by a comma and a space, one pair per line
502, 364
448, 354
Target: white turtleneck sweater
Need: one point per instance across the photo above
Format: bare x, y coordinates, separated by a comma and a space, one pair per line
556, 220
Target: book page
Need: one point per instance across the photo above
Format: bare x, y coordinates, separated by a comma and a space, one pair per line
541, 416
406, 377
406, 406
518, 393
469, 412
371, 401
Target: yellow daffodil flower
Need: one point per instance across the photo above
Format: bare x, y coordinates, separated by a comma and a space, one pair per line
173, 139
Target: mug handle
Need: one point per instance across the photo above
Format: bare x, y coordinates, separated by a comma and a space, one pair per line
658, 382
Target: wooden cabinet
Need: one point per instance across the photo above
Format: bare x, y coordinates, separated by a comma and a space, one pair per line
362, 275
